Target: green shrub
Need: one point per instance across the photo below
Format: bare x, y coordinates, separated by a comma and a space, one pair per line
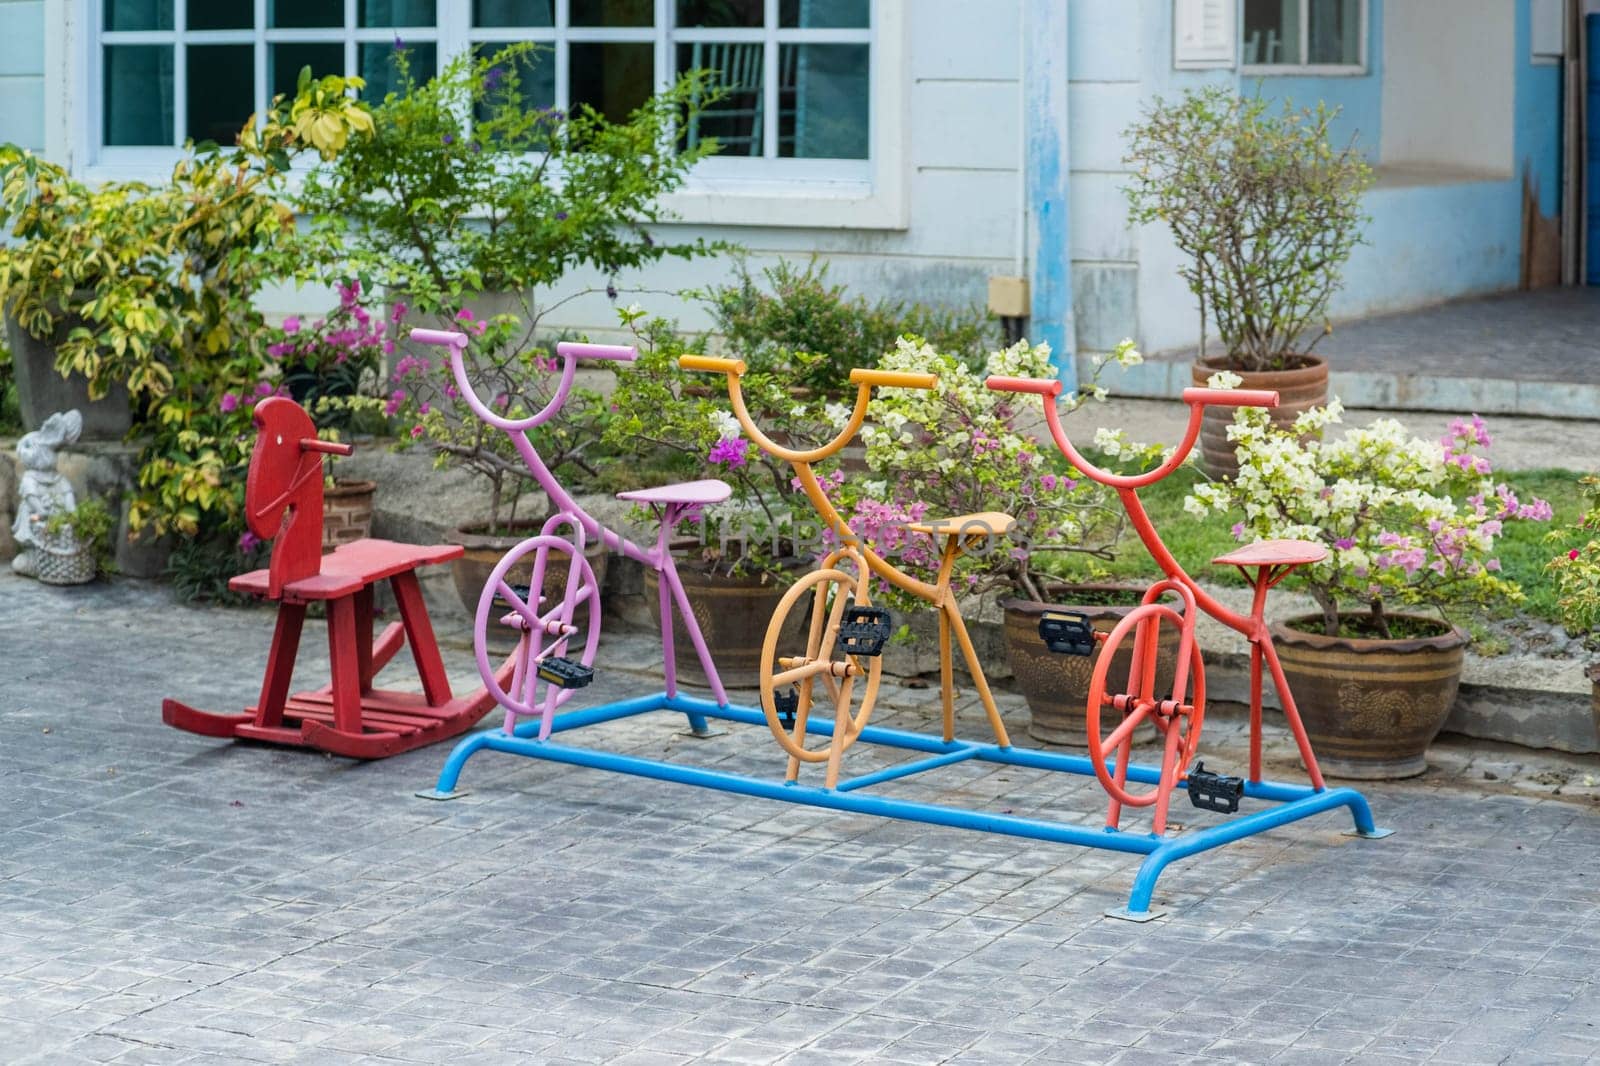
800, 323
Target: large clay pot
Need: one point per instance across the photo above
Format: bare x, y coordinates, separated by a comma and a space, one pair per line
42, 391
1056, 686
483, 552
346, 512
1299, 389
1371, 707
732, 613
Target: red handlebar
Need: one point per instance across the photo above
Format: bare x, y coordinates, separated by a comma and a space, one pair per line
1231, 397
1038, 386
327, 447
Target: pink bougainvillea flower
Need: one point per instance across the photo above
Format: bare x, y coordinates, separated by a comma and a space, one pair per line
248, 542
730, 451
465, 315
291, 324
1573, 554
416, 431
230, 402
1345, 543
398, 311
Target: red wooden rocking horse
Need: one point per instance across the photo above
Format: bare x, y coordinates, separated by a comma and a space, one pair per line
283, 503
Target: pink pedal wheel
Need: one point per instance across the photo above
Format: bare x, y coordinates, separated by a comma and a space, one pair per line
546, 630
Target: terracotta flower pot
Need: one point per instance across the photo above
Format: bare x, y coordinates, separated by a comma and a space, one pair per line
346, 512
483, 553
1371, 707
732, 613
1299, 389
1057, 686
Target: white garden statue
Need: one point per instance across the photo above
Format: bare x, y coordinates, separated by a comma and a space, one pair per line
44, 491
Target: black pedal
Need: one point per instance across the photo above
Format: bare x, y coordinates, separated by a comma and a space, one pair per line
863, 631
787, 704
1214, 792
1066, 633
565, 673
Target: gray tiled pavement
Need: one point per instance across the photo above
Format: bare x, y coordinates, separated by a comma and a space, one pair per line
166, 898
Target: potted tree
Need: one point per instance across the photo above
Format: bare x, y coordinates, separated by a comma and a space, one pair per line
738, 558
466, 200
962, 449
1407, 521
1576, 573
1266, 212
76, 545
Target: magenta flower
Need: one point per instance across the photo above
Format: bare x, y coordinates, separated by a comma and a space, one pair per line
416, 431
398, 311
729, 451
291, 324
1047, 482
1345, 543
465, 315
230, 402
248, 542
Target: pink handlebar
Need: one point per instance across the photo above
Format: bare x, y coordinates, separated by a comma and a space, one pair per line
622, 353
442, 337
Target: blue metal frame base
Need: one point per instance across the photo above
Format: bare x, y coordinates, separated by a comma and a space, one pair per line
1292, 803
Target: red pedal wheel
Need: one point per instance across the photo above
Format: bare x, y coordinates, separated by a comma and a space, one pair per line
1180, 707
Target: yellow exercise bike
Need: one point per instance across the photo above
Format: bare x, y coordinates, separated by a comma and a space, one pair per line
844, 634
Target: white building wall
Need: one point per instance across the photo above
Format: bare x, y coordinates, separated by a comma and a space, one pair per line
1448, 94
22, 40
963, 186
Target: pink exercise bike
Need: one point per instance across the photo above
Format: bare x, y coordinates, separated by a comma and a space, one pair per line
556, 646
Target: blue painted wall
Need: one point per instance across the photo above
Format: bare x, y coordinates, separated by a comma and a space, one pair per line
22, 73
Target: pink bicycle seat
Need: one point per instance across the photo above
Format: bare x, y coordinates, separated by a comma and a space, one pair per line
1274, 553
684, 493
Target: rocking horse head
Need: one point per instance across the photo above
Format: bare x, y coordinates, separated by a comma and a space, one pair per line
283, 491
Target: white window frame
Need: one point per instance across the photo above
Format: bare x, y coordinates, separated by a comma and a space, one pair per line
817, 193
1331, 70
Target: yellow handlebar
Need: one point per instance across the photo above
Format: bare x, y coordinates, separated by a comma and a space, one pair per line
712, 364
893, 379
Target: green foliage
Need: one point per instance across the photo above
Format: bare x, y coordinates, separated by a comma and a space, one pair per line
678, 423
1576, 570
960, 449
1266, 210
199, 568
89, 523
10, 401
515, 376
819, 334
157, 286
466, 187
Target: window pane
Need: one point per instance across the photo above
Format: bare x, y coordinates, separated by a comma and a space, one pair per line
613, 13
1271, 32
824, 14
536, 13
744, 13
386, 13
302, 14
221, 86
736, 119
1334, 31
822, 101
285, 60
377, 67
139, 15
138, 102
611, 77
221, 15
